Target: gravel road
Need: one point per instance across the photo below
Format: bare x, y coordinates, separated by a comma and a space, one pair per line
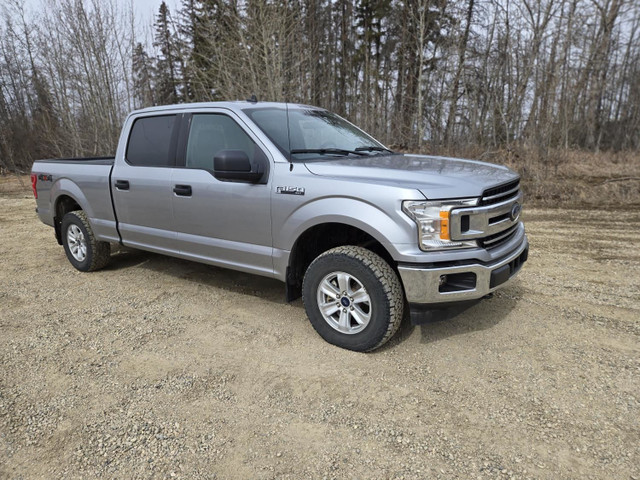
162, 368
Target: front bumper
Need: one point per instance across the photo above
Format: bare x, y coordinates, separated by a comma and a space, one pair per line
457, 283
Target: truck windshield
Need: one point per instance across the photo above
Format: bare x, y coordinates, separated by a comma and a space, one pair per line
315, 134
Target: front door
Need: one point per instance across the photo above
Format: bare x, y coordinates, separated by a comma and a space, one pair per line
224, 223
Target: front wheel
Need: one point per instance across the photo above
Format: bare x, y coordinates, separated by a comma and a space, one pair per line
83, 250
353, 298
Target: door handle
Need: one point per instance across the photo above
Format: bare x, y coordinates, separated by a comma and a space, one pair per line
122, 184
182, 190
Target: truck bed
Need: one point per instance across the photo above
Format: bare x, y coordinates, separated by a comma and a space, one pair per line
83, 180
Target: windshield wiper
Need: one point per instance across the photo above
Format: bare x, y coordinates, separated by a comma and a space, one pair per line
373, 148
328, 151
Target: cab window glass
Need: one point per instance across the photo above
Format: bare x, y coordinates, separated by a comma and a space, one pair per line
273, 122
210, 134
150, 141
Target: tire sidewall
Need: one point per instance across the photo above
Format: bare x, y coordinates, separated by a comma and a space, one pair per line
72, 219
379, 322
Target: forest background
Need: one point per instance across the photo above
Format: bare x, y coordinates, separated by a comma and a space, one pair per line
548, 87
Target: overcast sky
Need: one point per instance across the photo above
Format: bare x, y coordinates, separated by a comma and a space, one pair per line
145, 10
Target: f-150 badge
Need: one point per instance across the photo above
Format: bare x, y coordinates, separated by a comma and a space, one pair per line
290, 190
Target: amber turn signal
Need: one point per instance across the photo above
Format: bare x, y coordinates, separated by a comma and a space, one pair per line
444, 224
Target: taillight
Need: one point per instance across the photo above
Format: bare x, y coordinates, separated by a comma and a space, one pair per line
34, 181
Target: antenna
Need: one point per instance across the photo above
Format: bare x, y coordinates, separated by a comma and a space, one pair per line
252, 99
286, 106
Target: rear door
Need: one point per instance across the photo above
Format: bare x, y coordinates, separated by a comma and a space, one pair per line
226, 223
141, 185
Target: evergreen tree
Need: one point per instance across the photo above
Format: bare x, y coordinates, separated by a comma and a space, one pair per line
167, 70
143, 75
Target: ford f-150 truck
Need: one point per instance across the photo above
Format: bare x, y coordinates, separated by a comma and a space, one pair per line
299, 194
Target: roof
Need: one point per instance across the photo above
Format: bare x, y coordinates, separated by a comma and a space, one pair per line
231, 105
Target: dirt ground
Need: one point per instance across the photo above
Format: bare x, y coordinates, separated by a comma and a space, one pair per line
162, 368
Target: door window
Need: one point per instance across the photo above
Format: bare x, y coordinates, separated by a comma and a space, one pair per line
150, 141
213, 133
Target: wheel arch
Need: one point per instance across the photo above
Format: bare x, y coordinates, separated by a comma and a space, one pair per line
64, 203
321, 237
67, 197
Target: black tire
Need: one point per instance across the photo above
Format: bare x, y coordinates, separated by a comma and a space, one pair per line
381, 286
97, 253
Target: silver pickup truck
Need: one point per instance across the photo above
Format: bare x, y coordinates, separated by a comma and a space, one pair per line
299, 194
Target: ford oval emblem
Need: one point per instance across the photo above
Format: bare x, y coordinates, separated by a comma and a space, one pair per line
515, 211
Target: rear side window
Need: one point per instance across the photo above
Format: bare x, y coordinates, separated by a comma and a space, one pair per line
213, 133
150, 141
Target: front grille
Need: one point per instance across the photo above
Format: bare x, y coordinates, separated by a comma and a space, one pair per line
497, 239
494, 221
500, 193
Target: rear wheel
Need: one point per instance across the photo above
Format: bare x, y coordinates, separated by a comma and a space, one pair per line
353, 298
83, 250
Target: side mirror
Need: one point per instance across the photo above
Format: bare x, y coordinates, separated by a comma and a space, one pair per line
234, 165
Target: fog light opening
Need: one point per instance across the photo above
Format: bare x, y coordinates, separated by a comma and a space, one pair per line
457, 282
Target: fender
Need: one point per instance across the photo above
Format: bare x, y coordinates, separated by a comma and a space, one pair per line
351, 211
390, 232
98, 208
65, 186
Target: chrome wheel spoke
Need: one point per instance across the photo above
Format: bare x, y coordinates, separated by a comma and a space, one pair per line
360, 296
345, 318
343, 282
329, 308
328, 289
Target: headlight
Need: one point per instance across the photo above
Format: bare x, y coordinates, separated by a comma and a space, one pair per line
432, 219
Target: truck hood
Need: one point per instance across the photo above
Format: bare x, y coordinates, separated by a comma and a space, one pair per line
435, 177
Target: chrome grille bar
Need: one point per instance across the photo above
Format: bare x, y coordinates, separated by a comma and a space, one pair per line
486, 200
496, 240
500, 193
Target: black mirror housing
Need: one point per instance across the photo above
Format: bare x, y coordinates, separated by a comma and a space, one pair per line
234, 165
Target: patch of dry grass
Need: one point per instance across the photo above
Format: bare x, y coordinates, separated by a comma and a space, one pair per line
15, 185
